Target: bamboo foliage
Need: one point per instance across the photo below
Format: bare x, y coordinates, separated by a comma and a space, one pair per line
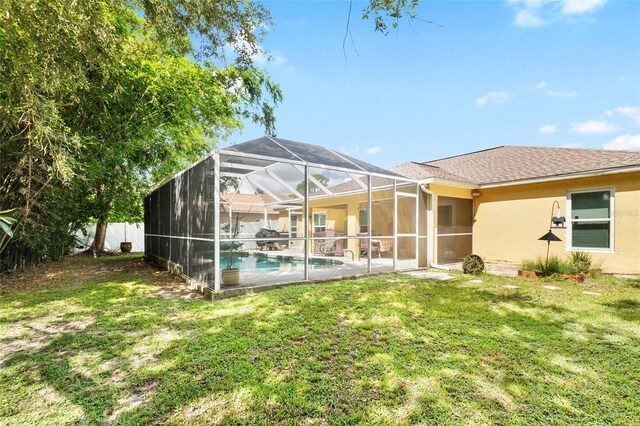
99, 100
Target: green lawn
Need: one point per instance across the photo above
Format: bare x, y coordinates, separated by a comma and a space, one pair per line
107, 341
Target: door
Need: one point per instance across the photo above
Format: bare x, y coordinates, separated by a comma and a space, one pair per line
406, 200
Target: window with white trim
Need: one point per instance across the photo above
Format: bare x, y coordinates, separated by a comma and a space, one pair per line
591, 219
363, 219
319, 222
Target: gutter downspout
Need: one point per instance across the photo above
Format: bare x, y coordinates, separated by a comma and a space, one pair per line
431, 230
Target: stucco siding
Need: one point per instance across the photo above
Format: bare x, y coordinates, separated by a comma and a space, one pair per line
509, 221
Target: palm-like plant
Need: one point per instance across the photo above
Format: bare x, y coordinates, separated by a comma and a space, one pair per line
232, 246
6, 221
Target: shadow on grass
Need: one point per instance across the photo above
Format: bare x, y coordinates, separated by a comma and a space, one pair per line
627, 309
357, 351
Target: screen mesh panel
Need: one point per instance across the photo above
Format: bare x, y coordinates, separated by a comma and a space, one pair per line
153, 213
178, 210
201, 200
164, 212
262, 189
180, 206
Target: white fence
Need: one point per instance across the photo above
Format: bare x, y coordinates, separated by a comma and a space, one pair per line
116, 233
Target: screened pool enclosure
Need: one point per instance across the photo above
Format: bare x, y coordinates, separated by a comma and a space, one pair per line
284, 211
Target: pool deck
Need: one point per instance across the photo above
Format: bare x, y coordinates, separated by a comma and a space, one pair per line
345, 268
257, 281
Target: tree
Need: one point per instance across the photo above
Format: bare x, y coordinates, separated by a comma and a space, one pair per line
384, 11
313, 188
102, 100
99, 101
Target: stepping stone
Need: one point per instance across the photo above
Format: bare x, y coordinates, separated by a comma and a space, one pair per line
551, 287
475, 281
440, 276
592, 293
510, 286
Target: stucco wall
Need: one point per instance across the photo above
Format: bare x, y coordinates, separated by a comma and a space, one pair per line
509, 221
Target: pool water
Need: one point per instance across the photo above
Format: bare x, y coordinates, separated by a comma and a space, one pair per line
264, 262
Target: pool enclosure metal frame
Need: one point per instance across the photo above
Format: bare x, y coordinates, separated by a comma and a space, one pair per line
235, 162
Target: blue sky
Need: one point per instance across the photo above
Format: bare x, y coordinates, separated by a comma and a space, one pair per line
485, 74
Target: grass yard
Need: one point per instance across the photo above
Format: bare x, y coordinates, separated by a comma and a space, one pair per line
112, 340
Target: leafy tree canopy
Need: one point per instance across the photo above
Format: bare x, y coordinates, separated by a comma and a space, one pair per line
100, 100
313, 188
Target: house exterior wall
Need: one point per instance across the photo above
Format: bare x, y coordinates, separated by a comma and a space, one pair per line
283, 221
350, 212
443, 191
509, 221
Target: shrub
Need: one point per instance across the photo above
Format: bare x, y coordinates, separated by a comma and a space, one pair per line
473, 264
581, 262
554, 265
532, 265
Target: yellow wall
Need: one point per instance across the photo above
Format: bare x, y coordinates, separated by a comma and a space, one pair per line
283, 221
509, 221
450, 191
346, 208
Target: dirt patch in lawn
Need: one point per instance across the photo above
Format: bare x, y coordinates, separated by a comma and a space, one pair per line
75, 271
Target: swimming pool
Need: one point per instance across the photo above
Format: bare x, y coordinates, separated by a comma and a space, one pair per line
269, 262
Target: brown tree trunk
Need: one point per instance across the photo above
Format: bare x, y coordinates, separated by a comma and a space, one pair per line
97, 245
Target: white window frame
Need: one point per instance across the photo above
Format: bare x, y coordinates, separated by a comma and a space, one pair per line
611, 219
313, 221
293, 230
362, 208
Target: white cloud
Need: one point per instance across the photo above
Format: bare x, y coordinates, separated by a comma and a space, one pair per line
351, 151
263, 58
547, 129
630, 112
592, 127
571, 145
581, 7
493, 97
627, 142
259, 56
373, 150
528, 18
560, 94
622, 79
539, 86
538, 13
608, 113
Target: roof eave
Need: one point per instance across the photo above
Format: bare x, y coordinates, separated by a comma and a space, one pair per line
447, 182
577, 175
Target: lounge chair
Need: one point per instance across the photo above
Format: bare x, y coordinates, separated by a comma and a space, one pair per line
268, 233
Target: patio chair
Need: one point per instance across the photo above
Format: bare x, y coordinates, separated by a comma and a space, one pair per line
385, 246
364, 246
332, 247
378, 246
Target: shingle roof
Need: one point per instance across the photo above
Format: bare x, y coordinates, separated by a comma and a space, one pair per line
425, 171
352, 185
513, 163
